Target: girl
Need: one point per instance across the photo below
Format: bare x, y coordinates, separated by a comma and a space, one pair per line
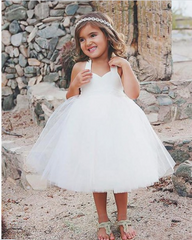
99, 139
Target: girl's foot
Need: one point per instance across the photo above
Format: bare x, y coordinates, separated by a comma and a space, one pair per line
104, 232
126, 230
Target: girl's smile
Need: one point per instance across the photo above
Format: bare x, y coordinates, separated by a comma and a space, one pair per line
93, 42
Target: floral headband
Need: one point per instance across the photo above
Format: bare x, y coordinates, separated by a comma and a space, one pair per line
94, 20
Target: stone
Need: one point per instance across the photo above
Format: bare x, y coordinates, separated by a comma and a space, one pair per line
19, 70
55, 55
6, 37
71, 9
66, 22
152, 117
63, 40
52, 77
14, 27
84, 9
10, 70
42, 42
51, 19
164, 114
32, 4
24, 51
32, 81
13, 84
50, 32
182, 179
33, 62
22, 60
153, 88
17, 13
188, 110
6, 91
17, 39
30, 13
22, 103
31, 70
10, 76
5, 26
180, 156
8, 103
184, 92
29, 29
20, 83
147, 98
164, 100
36, 47
32, 35
42, 10
180, 101
39, 79
4, 58
4, 80
9, 50
16, 52
57, 12
172, 94
52, 45
36, 182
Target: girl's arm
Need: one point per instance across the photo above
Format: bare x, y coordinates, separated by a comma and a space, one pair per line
79, 77
129, 80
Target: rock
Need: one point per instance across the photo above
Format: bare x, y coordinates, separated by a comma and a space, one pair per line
55, 55
188, 110
17, 13
5, 26
42, 42
147, 98
84, 9
23, 50
152, 117
20, 83
153, 88
52, 19
8, 103
57, 12
10, 70
32, 35
19, 70
52, 77
30, 13
17, 39
164, 100
52, 45
71, 9
29, 29
36, 182
14, 27
180, 156
10, 76
66, 22
13, 84
6, 37
50, 32
63, 40
42, 10
9, 50
6, 91
182, 179
16, 52
4, 58
172, 94
31, 70
32, 4
32, 81
4, 80
184, 92
33, 62
22, 60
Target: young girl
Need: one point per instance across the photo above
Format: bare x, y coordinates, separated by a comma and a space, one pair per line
99, 140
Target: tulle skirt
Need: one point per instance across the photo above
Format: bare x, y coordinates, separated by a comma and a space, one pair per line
99, 143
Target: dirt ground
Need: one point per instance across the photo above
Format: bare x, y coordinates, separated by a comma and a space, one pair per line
156, 212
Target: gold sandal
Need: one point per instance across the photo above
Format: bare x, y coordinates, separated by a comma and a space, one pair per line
126, 224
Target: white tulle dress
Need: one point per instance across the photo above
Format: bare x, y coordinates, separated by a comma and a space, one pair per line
99, 141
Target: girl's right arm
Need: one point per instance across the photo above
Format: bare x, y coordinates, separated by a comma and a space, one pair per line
79, 77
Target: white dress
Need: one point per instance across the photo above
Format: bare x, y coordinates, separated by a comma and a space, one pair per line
100, 140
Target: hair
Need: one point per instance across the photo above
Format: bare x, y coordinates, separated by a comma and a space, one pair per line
117, 44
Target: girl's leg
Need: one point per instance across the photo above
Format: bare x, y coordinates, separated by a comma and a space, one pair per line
121, 202
101, 206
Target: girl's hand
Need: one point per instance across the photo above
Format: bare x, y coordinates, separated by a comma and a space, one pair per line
119, 62
83, 77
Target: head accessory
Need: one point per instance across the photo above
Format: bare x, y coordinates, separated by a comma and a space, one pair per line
95, 20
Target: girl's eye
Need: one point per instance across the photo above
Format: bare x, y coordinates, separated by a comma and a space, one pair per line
93, 35
81, 39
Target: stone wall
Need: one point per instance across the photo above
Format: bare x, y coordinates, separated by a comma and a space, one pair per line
33, 33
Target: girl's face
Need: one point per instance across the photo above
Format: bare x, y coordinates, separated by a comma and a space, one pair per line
93, 42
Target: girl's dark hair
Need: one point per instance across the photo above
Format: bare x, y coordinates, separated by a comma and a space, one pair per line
116, 40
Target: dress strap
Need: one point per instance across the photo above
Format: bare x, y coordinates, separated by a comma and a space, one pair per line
88, 65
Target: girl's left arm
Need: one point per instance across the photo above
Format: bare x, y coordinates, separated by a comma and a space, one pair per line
129, 80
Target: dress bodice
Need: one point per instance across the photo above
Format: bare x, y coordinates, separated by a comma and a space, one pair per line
109, 83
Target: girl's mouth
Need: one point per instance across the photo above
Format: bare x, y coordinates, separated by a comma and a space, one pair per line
92, 49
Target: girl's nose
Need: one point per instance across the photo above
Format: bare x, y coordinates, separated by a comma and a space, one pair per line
88, 42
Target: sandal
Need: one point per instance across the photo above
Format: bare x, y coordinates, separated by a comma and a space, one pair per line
107, 226
126, 224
